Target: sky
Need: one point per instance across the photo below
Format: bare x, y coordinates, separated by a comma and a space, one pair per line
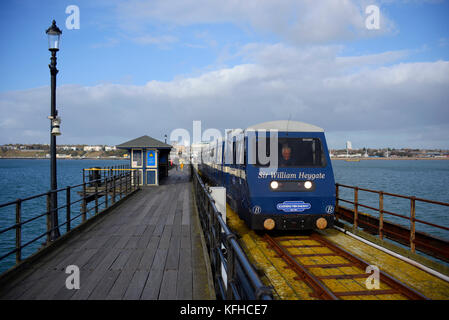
136, 68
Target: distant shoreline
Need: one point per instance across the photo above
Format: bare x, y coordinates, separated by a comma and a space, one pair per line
115, 159
413, 158
40, 158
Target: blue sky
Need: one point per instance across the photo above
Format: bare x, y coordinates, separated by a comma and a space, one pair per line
229, 64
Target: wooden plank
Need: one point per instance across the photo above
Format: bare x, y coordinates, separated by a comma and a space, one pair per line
132, 242
121, 260
153, 284
134, 260
168, 285
121, 285
186, 207
172, 262
135, 288
148, 256
145, 237
101, 291
95, 276
78, 258
42, 284
121, 243
165, 237
155, 219
151, 212
171, 210
184, 287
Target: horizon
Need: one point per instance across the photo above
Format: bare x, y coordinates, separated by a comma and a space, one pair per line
128, 68
171, 142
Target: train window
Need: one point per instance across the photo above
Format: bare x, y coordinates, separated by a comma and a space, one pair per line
245, 152
240, 152
234, 151
296, 152
219, 153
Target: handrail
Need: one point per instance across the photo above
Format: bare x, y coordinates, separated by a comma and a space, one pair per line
116, 181
381, 211
242, 281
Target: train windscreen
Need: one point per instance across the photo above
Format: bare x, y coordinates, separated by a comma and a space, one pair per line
294, 152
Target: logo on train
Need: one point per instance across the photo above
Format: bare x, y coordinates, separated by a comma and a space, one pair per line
330, 209
293, 206
257, 209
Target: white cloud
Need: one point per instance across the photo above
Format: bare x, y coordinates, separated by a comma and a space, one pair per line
313, 85
297, 21
159, 40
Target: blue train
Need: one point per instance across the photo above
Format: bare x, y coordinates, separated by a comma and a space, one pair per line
278, 175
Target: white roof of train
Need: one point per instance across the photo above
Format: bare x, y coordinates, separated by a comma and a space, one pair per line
286, 126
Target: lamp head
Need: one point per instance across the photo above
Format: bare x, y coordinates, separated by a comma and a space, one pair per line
54, 34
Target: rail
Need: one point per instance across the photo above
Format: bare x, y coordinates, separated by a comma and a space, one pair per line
310, 268
113, 183
383, 228
242, 281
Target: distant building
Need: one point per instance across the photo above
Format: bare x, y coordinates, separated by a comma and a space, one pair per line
67, 148
93, 148
108, 148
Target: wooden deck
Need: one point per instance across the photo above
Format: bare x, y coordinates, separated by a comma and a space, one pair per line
149, 247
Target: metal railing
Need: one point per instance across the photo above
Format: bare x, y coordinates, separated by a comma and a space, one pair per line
112, 184
385, 228
242, 281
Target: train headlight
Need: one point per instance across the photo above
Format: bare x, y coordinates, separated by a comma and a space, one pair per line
308, 184
274, 185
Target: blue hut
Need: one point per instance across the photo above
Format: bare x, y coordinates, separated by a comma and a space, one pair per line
149, 157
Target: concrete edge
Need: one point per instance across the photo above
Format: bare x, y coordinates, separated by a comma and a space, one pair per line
397, 249
15, 271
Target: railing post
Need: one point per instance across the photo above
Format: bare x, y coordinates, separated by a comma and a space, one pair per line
106, 190
121, 187
68, 209
48, 217
230, 264
18, 230
96, 198
356, 206
412, 224
126, 182
84, 203
381, 214
113, 188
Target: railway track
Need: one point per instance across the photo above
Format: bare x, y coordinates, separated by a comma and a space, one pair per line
333, 273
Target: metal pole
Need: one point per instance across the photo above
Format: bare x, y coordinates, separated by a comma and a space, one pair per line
53, 180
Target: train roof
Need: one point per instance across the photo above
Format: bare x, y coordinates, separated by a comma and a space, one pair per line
286, 126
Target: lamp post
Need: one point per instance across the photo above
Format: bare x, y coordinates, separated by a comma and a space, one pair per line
54, 34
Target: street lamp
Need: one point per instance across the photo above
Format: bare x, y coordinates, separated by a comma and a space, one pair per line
54, 34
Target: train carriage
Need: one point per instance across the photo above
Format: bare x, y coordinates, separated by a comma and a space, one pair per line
278, 175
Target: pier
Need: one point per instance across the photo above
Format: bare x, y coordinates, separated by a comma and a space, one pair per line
170, 242
148, 247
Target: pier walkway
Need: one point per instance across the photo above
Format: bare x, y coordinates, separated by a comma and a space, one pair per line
148, 247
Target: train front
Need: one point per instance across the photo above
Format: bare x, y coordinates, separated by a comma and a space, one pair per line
296, 191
